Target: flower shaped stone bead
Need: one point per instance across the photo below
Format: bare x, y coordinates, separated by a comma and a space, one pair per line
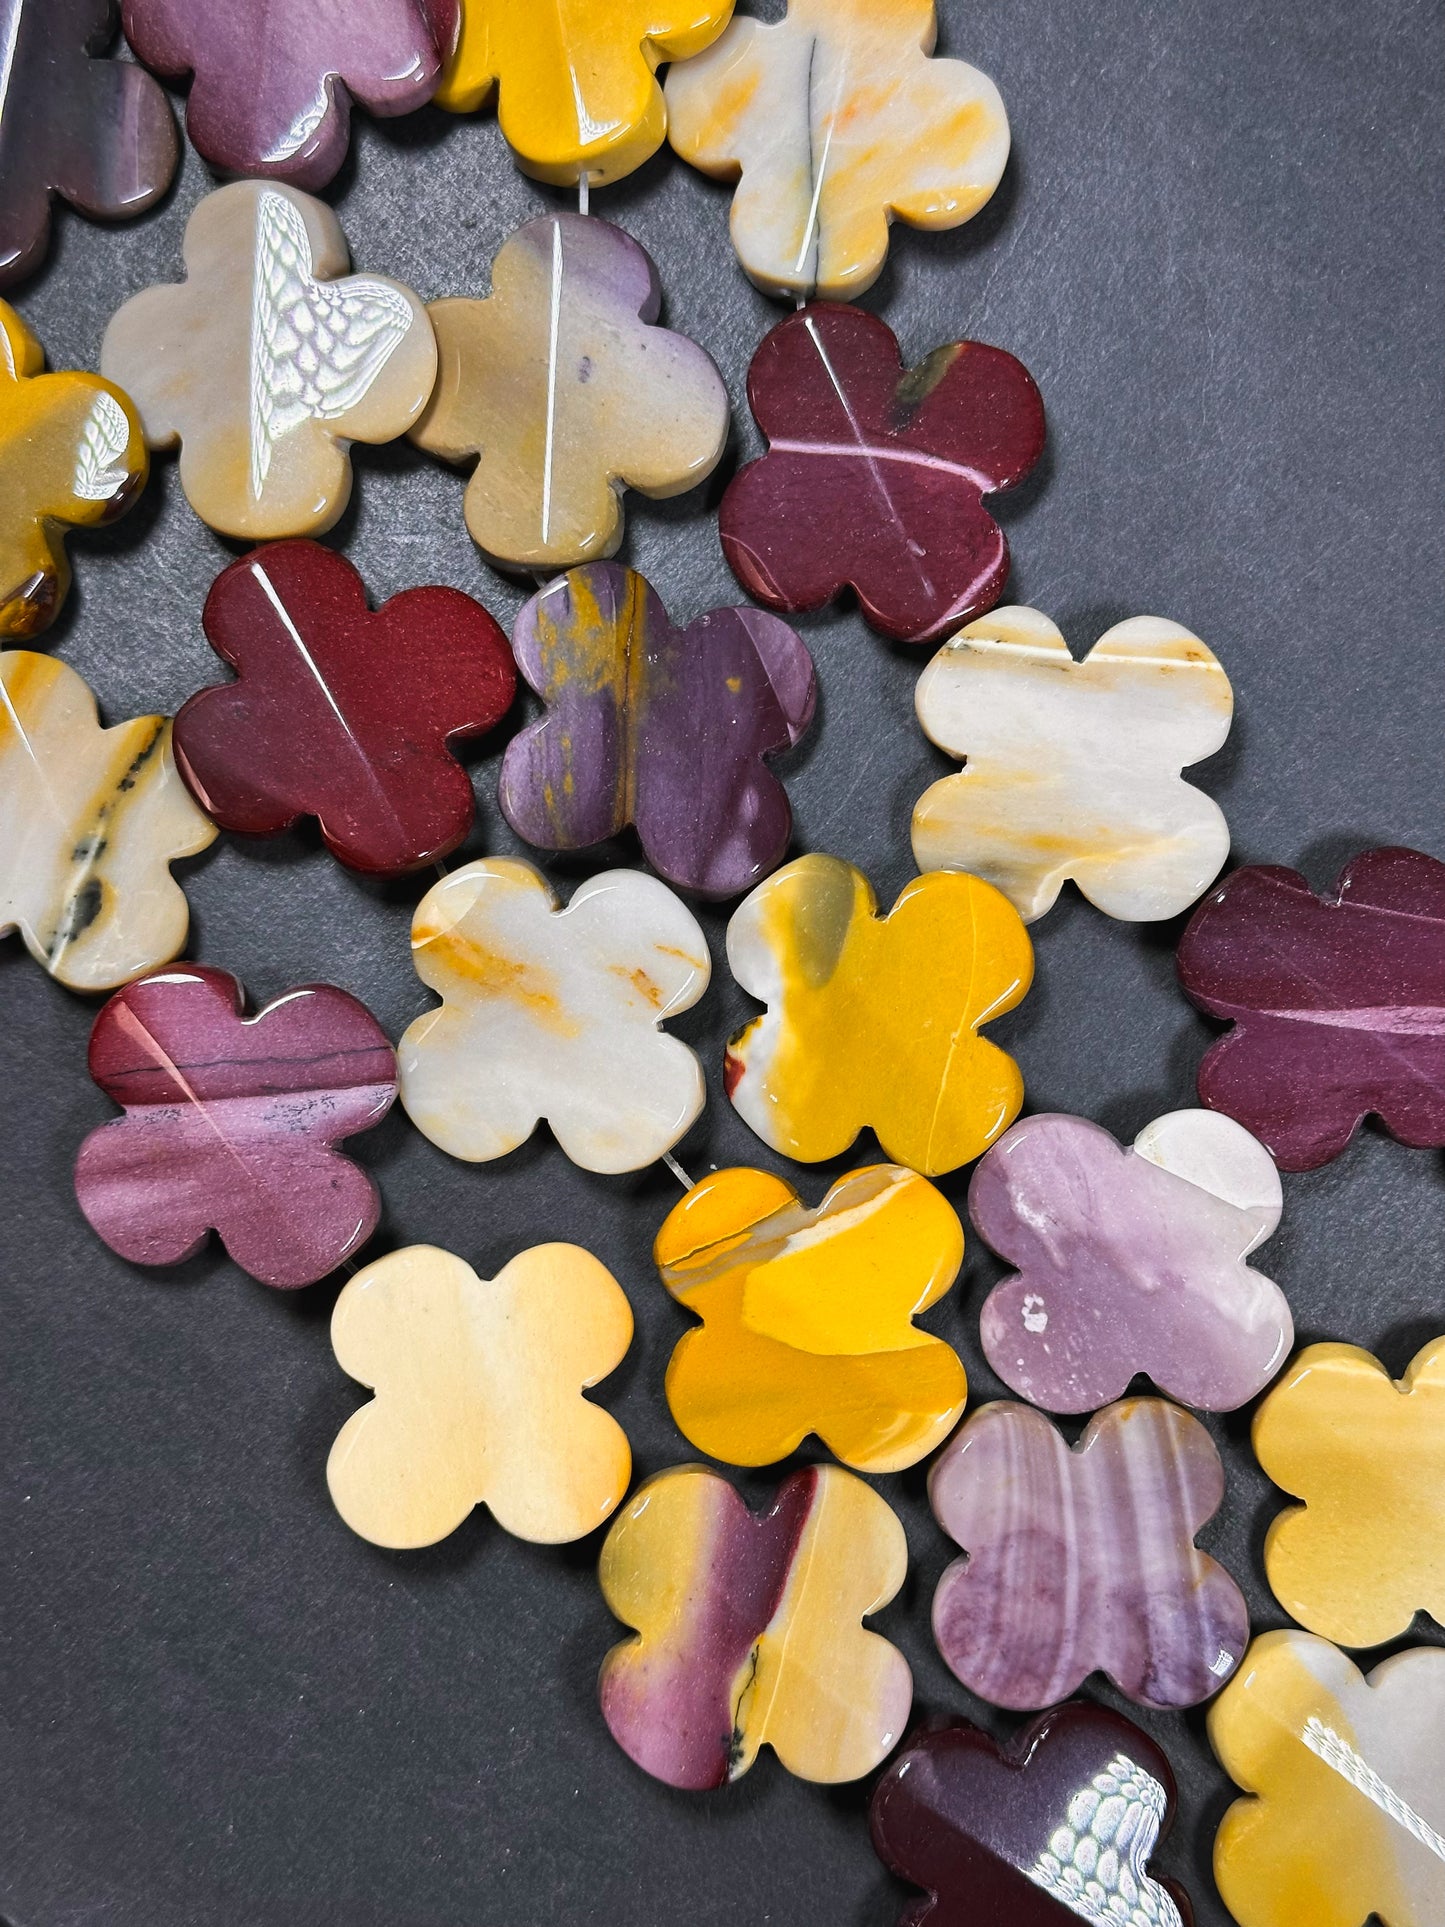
231, 1123
479, 1386
873, 1020
1084, 1560
1055, 1827
275, 79
1347, 1777
341, 712
71, 456
552, 1013
578, 97
565, 392
834, 120
1365, 1551
665, 728
1131, 1261
876, 474
808, 1317
96, 132
269, 360
90, 820
1337, 1003
1074, 767
748, 1628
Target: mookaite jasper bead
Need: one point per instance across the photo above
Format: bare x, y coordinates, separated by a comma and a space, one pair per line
269, 360
94, 131
562, 388
1074, 767
478, 1385
837, 120
874, 1020
1347, 1774
1337, 1003
577, 94
553, 1013
72, 455
342, 713
875, 473
748, 1628
274, 80
1365, 1551
90, 821
655, 726
1131, 1261
231, 1124
808, 1317
1082, 1561
1054, 1827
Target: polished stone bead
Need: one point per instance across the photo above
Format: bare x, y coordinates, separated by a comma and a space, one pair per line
834, 121
1347, 1774
874, 1020
564, 392
342, 713
478, 1396
231, 1124
1131, 1260
1337, 1003
808, 1318
577, 93
1080, 1561
269, 360
748, 1628
72, 456
90, 821
274, 80
552, 1013
1054, 1826
875, 473
1074, 767
660, 727
96, 132
1365, 1551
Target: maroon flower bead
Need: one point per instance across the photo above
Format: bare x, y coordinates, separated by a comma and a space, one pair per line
341, 712
876, 473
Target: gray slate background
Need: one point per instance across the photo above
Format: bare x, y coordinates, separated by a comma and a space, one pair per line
1218, 247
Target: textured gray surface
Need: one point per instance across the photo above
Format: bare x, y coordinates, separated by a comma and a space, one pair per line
1218, 248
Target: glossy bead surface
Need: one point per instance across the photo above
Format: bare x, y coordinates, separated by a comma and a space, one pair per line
874, 1020
748, 1628
231, 1124
90, 820
837, 120
71, 456
1083, 1560
1131, 1260
660, 727
1348, 1777
269, 360
274, 80
576, 83
564, 391
1074, 767
340, 712
1337, 1003
96, 132
552, 1013
479, 1385
1365, 1551
1053, 1827
808, 1317
875, 473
